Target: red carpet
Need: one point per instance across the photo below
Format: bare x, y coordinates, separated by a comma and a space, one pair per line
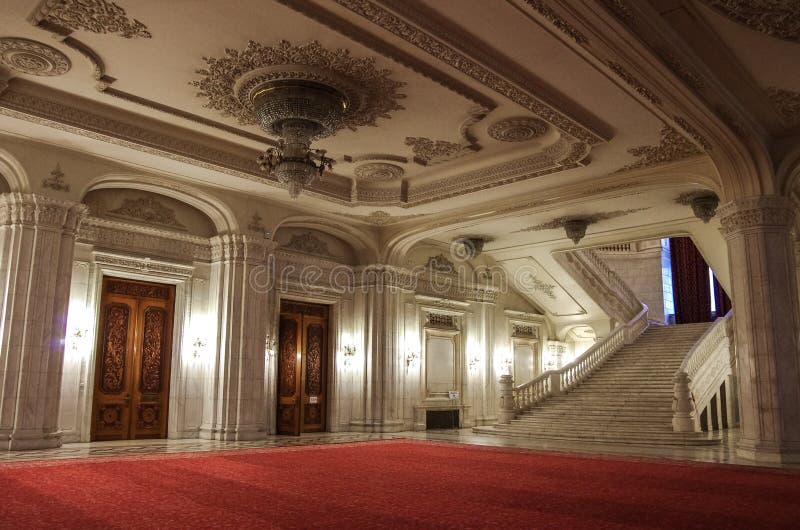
393, 484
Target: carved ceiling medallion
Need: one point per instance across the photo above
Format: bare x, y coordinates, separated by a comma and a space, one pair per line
517, 129
97, 16
31, 57
378, 172
776, 18
227, 81
671, 148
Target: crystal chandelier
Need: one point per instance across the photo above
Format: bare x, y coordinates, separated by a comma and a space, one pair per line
297, 111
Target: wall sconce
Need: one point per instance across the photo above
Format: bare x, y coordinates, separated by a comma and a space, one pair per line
507, 366
348, 353
76, 342
269, 347
412, 359
198, 345
474, 363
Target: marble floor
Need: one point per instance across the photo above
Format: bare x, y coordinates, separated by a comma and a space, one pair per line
723, 453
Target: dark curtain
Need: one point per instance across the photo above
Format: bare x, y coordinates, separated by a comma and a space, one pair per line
722, 300
690, 288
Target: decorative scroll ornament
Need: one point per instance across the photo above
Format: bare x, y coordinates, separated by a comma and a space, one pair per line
56, 180
564, 26
440, 264
381, 218
115, 348
97, 16
308, 243
315, 337
575, 226
155, 325
776, 18
148, 210
518, 129
671, 148
631, 80
699, 138
787, 103
378, 172
428, 152
256, 224
31, 57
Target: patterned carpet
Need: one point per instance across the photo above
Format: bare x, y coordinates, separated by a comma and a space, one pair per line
390, 484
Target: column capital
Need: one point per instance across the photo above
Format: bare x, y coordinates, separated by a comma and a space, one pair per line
38, 210
756, 212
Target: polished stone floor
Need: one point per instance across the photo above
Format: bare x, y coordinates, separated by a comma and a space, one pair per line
723, 453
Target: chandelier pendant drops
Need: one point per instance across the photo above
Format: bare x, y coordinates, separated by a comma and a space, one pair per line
298, 112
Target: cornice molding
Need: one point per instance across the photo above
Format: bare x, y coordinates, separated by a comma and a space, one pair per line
776, 19
468, 58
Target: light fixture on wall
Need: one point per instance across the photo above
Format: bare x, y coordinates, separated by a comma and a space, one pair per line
412, 359
77, 342
348, 354
197, 347
269, 346
474, 363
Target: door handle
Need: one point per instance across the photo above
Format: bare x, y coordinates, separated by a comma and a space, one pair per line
127, 400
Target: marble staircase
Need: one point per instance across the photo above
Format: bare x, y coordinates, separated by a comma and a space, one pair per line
627, 400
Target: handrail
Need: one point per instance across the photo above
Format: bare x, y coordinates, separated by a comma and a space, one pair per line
629, 297
700, 375
555, 382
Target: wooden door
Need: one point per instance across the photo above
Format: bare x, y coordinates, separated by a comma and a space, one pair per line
134, 346
302, 367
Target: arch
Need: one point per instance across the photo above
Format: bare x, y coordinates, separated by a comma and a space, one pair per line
363, 243
220, 213
13, 173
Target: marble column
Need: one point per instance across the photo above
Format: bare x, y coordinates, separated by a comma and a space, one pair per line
766, 316
37, 242
380, 290
235, 406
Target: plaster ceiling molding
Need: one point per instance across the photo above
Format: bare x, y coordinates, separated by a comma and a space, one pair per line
679, 68
532, 280
375, 156
429, 152
31, 57
776, 18
671, 147
517, 129
577, 224
96, 16
704, 203
440, 264
553, 18
508, 83
699, 138
308, 243
381, 218
620, 8
465, 248
147, 210
560, 156
634, 83
227, 81
378, 172
787, 103
56, 180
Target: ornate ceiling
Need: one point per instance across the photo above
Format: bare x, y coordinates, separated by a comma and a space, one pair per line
460, 105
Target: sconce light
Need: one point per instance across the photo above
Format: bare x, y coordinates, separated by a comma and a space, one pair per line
474, 362
76, 342
269, 347
198, 346
348, 352
507, 366
412, 359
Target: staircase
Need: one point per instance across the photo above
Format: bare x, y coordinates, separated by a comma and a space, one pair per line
627, 400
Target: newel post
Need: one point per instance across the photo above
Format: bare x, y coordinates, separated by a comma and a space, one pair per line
555, 384
506, 413
683, 418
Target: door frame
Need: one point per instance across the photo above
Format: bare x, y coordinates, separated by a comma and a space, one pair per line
147, 270
331, 368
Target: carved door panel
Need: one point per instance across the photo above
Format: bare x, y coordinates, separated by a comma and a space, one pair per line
302, 368
289, 369
133, 360
315, 335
